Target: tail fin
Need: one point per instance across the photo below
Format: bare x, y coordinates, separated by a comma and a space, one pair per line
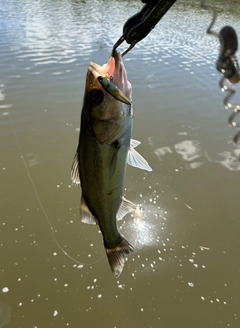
116, 256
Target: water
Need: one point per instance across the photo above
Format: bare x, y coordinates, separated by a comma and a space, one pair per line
185, 271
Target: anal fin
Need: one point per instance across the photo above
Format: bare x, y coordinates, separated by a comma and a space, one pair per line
125, 208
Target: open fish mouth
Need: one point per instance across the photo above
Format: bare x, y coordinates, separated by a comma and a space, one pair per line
107, 70
115, 72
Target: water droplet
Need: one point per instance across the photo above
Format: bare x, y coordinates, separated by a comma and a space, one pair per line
5, 290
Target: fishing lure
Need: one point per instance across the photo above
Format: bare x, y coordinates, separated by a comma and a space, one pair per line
227, 64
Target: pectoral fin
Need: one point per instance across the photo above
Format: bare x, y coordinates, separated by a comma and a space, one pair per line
86, 215
125, 208
135, 159
134, 143
113, 90
75, 170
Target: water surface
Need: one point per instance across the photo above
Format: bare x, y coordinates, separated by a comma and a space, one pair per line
185, 271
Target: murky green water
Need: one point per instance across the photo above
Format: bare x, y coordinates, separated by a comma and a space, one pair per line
186, 269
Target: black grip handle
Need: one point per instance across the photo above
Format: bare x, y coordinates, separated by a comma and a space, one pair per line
228, 40
227, 63
140, 25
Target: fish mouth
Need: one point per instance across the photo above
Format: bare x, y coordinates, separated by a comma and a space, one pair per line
115, 72
107, 70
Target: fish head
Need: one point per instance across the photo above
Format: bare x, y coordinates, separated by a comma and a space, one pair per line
107, 102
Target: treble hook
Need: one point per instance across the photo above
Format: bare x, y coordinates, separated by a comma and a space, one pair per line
227, 64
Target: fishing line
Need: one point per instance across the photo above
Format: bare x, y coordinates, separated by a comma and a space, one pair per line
40, 202
227, 64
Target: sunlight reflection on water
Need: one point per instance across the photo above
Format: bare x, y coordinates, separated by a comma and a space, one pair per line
146, 225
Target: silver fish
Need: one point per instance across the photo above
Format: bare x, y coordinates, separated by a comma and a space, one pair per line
104, 149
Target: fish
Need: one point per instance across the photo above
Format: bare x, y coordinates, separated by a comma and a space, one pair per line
105, 147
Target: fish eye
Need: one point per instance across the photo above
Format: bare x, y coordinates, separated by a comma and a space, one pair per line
96, 96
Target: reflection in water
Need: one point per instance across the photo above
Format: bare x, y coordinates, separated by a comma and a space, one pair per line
189, 149
231, 159
160, 152
2, 96
194, 165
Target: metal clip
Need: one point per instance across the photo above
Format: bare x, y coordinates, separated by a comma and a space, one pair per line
140, 25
